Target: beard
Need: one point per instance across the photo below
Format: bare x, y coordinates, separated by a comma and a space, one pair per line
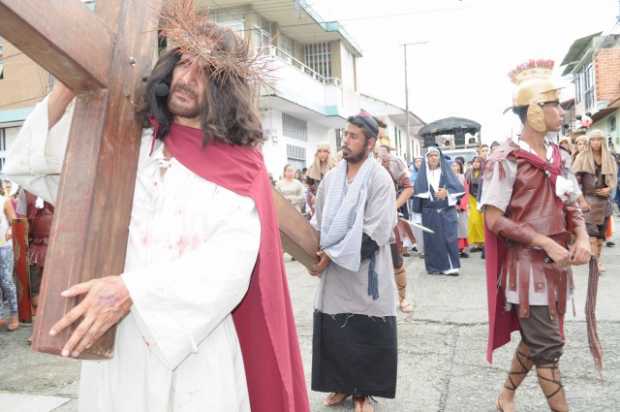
352, 157
184, 102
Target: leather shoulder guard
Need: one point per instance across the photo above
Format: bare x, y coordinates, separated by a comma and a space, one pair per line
501, 153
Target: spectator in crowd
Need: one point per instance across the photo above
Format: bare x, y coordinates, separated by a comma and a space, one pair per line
596, 172
483, 151
475, 221
291, 188
323, 163
461, 208
7, 284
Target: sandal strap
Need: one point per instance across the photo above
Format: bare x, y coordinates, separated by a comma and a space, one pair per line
524, 371
551, 367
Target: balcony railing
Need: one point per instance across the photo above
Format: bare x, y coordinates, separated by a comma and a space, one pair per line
277, 52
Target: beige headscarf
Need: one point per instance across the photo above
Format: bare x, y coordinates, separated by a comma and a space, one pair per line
567, 142
318, 170
584, 163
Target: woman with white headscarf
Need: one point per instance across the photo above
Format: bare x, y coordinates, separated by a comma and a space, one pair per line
437, 192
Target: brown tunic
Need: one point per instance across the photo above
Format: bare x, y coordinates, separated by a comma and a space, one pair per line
600, 207
39, 223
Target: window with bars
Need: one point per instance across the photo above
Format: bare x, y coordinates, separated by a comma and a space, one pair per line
339, 136
318, 57
287, 44
294, 128
2, 148
296, 156
1, 58
397, 138
578, 86
588, 85
2, 140
295, 152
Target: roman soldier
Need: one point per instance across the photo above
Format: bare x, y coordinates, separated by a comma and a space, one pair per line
534, 232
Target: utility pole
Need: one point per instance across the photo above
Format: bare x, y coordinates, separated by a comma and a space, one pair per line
409, 151
409, 154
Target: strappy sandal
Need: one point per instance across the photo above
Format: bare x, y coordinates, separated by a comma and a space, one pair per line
520, 356
552, 381
498, 404
524, 371
335, 399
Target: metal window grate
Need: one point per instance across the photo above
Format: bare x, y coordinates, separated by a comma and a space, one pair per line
295, 152
2, 148
589, 87
294, 128
318, 58
339, 136
1, 58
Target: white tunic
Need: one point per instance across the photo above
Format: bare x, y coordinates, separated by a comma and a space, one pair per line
191, 251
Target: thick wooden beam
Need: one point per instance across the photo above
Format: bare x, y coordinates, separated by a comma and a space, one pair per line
91, 220
63, 37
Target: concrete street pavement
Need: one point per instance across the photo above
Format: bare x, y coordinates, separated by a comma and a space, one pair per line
441, 351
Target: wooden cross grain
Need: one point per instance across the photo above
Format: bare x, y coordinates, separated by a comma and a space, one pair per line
102, 57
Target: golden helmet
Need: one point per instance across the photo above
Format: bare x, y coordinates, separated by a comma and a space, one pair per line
535, 86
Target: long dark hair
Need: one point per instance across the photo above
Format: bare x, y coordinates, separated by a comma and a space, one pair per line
230, 111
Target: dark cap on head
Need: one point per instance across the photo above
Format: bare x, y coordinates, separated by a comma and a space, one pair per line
366, 122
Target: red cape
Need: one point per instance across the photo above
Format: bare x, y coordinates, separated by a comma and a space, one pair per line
264, 318
501, 322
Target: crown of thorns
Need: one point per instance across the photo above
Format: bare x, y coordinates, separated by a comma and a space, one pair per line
223, 52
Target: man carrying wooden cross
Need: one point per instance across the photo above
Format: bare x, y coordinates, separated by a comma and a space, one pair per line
202, 307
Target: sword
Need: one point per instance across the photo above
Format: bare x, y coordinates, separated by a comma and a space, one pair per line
421, 227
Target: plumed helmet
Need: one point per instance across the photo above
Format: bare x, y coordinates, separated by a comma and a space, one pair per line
535, 86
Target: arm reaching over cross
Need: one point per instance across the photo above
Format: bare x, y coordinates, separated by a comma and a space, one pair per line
58, 100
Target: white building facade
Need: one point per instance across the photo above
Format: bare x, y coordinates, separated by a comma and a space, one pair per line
315, 81
314, 87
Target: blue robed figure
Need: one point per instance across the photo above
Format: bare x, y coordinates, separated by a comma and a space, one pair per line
437, 190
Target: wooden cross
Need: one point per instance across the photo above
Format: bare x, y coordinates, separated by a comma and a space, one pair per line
103, 57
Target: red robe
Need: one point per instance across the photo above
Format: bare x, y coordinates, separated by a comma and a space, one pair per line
264, 318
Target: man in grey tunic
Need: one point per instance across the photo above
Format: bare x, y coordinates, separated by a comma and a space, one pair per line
354, 343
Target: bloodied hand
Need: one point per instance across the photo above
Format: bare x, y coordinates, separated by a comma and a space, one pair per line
105, 303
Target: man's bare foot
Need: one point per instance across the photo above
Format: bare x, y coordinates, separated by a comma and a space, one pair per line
335, 398
3, 323
505, 403
13, 323
405, 306
363, 404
